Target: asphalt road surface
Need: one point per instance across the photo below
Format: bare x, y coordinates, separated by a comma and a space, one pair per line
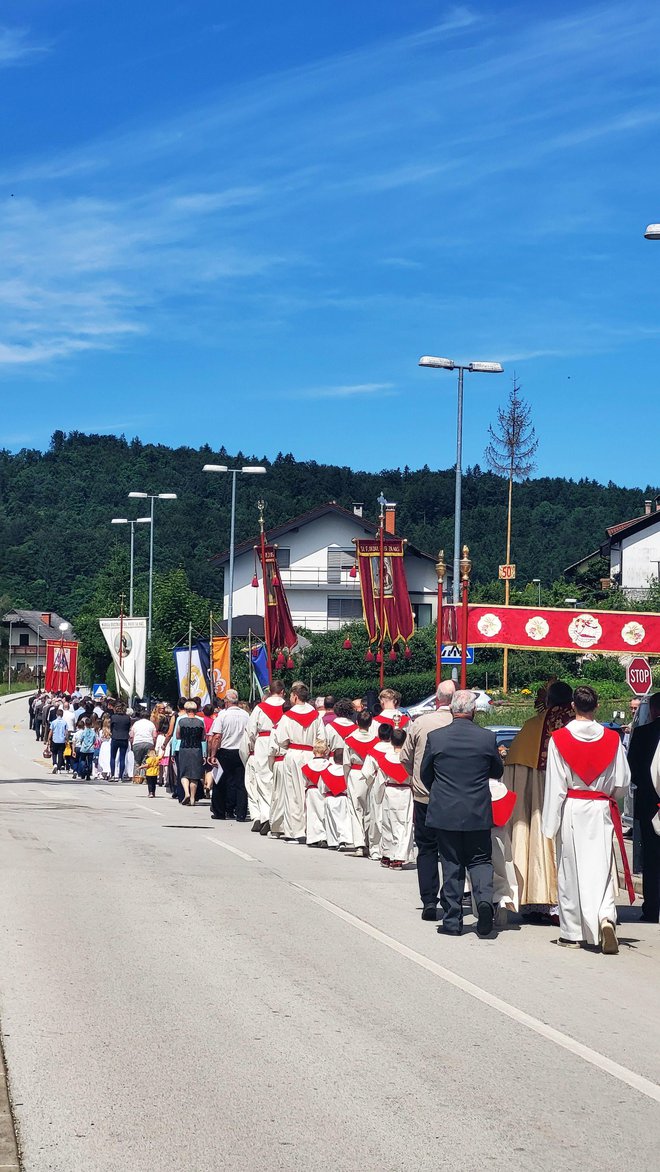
179, 995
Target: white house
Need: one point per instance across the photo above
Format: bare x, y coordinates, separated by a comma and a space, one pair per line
315, 553
633, 551
28, 631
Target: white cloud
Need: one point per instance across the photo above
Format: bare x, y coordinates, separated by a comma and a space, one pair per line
15, 46
349, 391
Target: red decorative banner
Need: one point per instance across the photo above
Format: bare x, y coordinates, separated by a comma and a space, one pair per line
398, 620
61, 666
280, 626
554, 629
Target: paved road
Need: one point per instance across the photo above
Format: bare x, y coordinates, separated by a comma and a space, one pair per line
180, 994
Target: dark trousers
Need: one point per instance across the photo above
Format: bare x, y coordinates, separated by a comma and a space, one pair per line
37, 727
462, 850
120, 747
85, 765
428, 869
228, 793
650, 869
57, 750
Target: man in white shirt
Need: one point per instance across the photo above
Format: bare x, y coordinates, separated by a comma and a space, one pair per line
228, 793
69, 716
143, 738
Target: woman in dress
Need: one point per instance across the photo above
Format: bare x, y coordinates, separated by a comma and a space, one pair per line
192, 751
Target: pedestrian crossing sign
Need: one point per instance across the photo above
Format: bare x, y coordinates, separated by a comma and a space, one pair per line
99, 691
451, 653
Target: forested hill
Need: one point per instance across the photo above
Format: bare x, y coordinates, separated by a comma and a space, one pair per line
56, 508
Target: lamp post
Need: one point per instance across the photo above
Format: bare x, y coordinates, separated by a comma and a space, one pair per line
473, 368
247, 470
465, 566
652, 232
126, 521
537, 582
147, 496
441, 570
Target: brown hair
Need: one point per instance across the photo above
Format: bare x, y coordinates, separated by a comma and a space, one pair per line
585, 700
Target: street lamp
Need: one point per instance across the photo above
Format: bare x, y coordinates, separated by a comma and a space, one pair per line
147, 496
473, 368
248, 470
652, 232
537, 582
126, 521
570, 601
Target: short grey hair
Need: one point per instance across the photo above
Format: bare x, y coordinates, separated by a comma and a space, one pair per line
463, 703
445, 693
231, 696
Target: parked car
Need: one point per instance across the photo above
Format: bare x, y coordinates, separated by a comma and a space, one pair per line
484, 702
504, 733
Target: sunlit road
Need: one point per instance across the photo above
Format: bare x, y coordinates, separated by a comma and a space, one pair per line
179, 995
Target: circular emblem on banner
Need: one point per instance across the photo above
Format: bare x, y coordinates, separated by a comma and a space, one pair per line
489, 626
195, 685
126, 644
585, 630
219, 682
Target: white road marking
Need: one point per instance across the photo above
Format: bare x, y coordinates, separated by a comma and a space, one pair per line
622, 1073
234, 849
148, 810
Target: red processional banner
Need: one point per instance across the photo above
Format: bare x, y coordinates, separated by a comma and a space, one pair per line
554, 629
61, 666
398, 620
280, 627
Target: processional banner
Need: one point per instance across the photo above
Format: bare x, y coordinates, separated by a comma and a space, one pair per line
61, 665
192, 671
398, 620
220, 666
280, 627
127, 641
557, 629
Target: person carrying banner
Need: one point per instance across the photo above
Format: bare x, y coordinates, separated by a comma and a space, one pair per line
294, 736
264, 717
587, 772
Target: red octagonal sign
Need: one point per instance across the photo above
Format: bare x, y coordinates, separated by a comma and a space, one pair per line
639, 676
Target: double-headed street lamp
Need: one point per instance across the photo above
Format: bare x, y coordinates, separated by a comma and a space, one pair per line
474, 368
250, 470
147, 496
126, 521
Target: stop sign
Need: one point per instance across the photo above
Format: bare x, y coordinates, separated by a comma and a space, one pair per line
638, 674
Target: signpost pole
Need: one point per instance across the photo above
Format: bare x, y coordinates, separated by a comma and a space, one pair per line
465, 567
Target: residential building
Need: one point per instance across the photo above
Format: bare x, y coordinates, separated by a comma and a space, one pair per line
632, 550
28, 632
315, 554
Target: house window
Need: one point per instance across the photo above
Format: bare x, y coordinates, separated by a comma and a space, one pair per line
423, 614
283, 558
24, 640
345, 608
339, 560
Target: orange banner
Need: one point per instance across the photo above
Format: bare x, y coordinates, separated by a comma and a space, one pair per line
220, 666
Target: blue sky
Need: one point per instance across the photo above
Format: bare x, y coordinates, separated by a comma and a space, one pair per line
243, 223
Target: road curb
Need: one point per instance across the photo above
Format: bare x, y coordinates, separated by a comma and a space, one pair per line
9, 1155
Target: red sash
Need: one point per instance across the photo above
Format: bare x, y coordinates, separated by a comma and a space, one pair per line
587, 758
304, 719
312, 775
344, 730
403, 721
363, 749
274, 712
395, 771
597, 795
336, 782
503, 808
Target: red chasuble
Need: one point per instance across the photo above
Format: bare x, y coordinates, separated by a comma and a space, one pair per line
587, 758
304, 719
274, 712
363, 749
336, 782
395, 771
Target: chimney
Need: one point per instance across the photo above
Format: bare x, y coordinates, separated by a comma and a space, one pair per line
657, 504
390, 518
647, 508
357, 508
45, 618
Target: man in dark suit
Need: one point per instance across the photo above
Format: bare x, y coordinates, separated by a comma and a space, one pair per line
643, 744
458, 762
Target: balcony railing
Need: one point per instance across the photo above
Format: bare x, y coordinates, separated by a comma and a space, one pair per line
319, 576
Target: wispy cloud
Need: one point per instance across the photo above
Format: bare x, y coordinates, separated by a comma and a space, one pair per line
346, 391
16, 46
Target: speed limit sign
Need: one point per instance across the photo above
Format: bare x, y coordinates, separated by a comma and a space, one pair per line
508, 573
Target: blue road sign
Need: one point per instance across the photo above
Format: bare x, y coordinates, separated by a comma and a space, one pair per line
100, 691
451, 653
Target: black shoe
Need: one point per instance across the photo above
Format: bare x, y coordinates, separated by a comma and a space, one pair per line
430, 912
220, 817
265, 829
485, 920
237, 819
256, 827
450, 931
645, 919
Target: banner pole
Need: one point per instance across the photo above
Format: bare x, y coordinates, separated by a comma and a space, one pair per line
465, 567
381, 586
261, 506
189, 660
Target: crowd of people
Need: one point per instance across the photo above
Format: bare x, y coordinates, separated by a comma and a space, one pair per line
532, 834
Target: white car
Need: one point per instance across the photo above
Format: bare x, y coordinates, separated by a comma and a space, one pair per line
484, 702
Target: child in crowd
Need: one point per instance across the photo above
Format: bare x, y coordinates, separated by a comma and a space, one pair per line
337, 814
395, 791
314, 801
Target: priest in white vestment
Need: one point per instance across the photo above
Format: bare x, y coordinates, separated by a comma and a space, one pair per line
264, 717
587, 772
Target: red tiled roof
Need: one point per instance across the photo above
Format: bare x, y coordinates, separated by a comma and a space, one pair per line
614, 529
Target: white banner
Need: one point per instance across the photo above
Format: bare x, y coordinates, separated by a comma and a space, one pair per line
127, 640
191, 676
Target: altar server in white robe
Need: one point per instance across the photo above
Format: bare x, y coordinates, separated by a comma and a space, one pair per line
341, 726
395, 785
337, 812
358, 746
264, 717
313, 771
587, 772
369, 778
295, 736
506, 895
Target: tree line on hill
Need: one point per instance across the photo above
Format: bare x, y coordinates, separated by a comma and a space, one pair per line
61, 553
